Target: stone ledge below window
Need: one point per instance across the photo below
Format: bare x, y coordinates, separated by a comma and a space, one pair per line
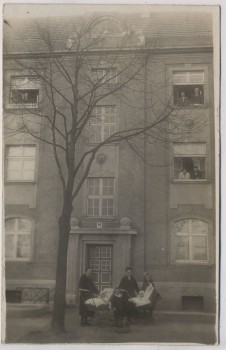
201, 181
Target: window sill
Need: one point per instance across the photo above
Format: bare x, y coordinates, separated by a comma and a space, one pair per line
192, 263
112, 143
18, 260
201, 181
15, 182
22, 106
194, 106
98, 218
108, 85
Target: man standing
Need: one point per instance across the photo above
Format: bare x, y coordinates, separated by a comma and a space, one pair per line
197, 173
130, 286
197, 98
87, 290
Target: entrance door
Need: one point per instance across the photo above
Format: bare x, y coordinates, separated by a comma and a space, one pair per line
100, 261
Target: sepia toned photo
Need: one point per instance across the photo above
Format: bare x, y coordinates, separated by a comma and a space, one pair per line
111, 214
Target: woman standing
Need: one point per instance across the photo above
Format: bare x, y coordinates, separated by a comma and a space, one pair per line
155, 296
87, 290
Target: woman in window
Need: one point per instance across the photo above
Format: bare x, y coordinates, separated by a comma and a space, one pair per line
188, 169
184, 175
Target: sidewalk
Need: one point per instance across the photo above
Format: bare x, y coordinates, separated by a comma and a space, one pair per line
32, 325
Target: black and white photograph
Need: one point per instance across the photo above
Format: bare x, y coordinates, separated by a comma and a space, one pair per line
110, 173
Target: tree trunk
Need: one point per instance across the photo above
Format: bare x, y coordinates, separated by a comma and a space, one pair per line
61, 270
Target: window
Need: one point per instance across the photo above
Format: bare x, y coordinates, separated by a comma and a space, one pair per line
100, 197
191, 241
188, 88
190, 161
105, 75
20, 163
24, 92
17, 239
103, 123
106, 26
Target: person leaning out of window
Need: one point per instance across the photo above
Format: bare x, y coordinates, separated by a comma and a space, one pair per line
184, 175
183, 99
197, 98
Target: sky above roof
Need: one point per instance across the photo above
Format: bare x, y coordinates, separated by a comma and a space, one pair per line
52, 10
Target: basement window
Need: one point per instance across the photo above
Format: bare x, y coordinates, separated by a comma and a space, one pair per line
192, 303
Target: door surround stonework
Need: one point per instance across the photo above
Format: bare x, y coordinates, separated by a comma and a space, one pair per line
81, 238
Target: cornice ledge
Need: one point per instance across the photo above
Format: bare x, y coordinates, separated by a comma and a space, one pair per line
103, 231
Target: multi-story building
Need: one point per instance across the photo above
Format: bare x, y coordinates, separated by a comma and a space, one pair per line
129, 212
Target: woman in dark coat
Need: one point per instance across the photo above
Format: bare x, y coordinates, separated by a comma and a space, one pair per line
87, 290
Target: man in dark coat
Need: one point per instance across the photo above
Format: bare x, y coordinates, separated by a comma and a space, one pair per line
87, 290
130, 286
197, 98
197, 173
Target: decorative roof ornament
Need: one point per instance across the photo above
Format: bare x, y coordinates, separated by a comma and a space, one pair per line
107, 26
141, 40
71, 40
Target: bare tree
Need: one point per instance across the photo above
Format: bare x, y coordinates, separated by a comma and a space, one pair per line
75, 81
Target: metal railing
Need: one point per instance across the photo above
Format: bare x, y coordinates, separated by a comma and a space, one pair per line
35, 294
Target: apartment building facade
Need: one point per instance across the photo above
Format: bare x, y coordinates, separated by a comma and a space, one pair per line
141, 211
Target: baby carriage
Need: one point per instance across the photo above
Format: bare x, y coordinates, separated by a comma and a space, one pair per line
101, 305
145, 301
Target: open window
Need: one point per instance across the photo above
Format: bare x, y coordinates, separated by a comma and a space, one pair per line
188, 88
24, 92
189, 161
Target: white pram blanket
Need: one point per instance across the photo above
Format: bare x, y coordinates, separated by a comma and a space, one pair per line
143, 298
103, 299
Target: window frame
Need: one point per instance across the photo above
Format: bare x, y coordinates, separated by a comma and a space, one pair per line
192, 155
100, 196
16, 234
105, 71
21, 159
190, 247
28, 105
102, 124
187, 83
